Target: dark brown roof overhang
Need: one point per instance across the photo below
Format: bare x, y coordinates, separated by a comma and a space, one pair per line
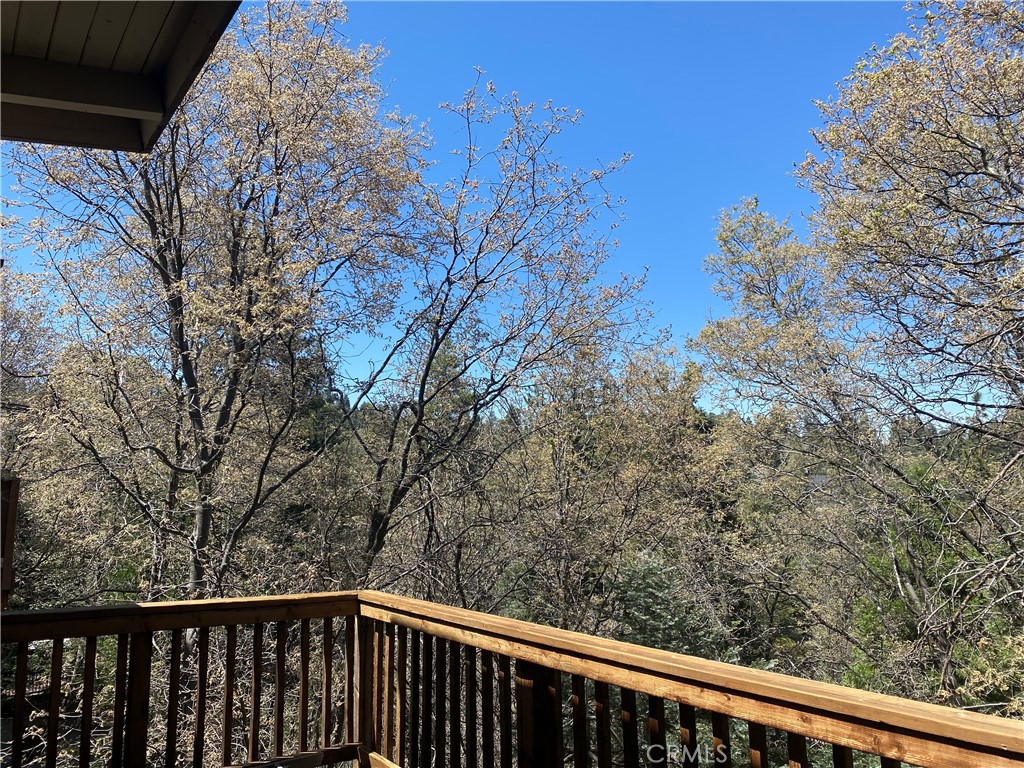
106, 75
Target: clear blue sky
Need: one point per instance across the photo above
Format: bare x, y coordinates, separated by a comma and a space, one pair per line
714, 101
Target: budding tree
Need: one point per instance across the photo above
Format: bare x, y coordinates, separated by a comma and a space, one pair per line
197, 288
505, 283
207, 296
896, 335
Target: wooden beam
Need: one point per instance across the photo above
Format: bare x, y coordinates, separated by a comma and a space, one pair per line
74, 129
343, 753
370, 759
38, 83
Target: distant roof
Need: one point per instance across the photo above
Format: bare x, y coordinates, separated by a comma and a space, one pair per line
107, 75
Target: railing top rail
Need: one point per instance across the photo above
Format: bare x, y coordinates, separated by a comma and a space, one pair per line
917, 732
20, 626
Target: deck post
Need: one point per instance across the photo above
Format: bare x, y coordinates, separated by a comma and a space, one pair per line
539, 715
136, 724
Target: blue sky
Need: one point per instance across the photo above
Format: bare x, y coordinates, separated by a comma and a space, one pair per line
714, 101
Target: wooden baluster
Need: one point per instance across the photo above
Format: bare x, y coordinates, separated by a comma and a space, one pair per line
580, 737
281, 636
797, 747
688, 735
415, 683
759, 745
53, 716
554, 694
20, 692
721, 739
538, 715
365, 725
351, 708
487, 708
88, 697
557, 700
455, 703
136, 736
440, 702
630, 743
369, 722
426, 734
199, 737
387, 686
327, 690
376, 665
227, 741
378, 686
603, 724
120, 686
891, 762
842, 757
471, 707
253, 746
658, 745
173, 695
304, 686
505, 709
402, 693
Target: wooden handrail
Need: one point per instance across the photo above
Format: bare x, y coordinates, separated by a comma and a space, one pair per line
897, 729
915, 732
92, 621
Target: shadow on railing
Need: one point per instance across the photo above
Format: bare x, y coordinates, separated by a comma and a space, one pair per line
310, 680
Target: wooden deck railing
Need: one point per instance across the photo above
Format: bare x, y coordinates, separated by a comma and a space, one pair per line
318, 679
183, 683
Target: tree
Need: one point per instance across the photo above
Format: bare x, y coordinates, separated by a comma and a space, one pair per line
205, 296
196, 289
505, 285
920, 182
889, 345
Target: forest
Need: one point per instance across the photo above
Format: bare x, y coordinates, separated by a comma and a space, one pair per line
274, 357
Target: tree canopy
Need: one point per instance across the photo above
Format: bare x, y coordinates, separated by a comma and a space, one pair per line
883, 353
